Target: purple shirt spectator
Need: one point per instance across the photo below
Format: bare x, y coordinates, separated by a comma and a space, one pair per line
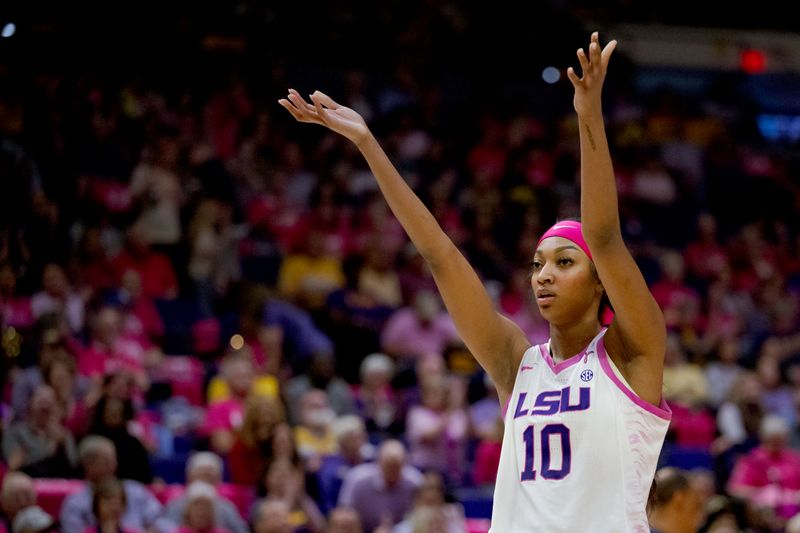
301, 337
98, 457
143, 511
351, 436
483, 415
387, 487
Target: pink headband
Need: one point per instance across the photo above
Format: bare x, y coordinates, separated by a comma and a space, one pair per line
570, 230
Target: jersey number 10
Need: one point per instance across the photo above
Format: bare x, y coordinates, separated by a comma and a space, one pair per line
558, 432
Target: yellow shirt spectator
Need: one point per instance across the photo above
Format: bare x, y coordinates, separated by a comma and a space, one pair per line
265, 385
308, 279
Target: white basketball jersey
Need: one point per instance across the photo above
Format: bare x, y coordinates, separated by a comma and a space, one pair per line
580, 447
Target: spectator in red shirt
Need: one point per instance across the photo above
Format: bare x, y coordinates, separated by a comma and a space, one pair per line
94, 266
490, 155
253, 445
705, 257
671, 289
154, 268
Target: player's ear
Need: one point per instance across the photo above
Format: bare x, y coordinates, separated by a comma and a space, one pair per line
598, 284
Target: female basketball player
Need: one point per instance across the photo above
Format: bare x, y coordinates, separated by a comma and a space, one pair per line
584, 418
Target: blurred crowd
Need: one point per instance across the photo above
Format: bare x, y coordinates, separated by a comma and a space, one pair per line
212, 320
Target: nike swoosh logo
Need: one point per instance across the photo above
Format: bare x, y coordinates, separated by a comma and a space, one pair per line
525, 367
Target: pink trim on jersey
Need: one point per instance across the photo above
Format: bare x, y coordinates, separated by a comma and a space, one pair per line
505, 407
663, 411
563, 365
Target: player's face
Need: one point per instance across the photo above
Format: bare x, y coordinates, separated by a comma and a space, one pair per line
564, 283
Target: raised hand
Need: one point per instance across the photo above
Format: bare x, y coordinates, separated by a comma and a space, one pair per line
328, 113
588, 88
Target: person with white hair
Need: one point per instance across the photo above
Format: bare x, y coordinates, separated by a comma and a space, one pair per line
431, 512
199, 514
206, 467
34, 519
272, 516
376, 401
98, 457
40, 445
769, 475
793, 525
344, 520
16, 495
351, 436
383, 491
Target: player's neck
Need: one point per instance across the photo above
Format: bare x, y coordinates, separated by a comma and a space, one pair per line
571, 339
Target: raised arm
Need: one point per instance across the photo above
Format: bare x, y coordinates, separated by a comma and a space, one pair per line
636, 339
496, 342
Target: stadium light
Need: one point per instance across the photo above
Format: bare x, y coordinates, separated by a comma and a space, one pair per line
9, 30
551, 75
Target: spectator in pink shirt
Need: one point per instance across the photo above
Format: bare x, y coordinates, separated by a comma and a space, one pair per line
487, 456
57, 296
769, 475
423, 328
15, 309
61, 375
692, 425
140, 318
224, 417
110, 352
